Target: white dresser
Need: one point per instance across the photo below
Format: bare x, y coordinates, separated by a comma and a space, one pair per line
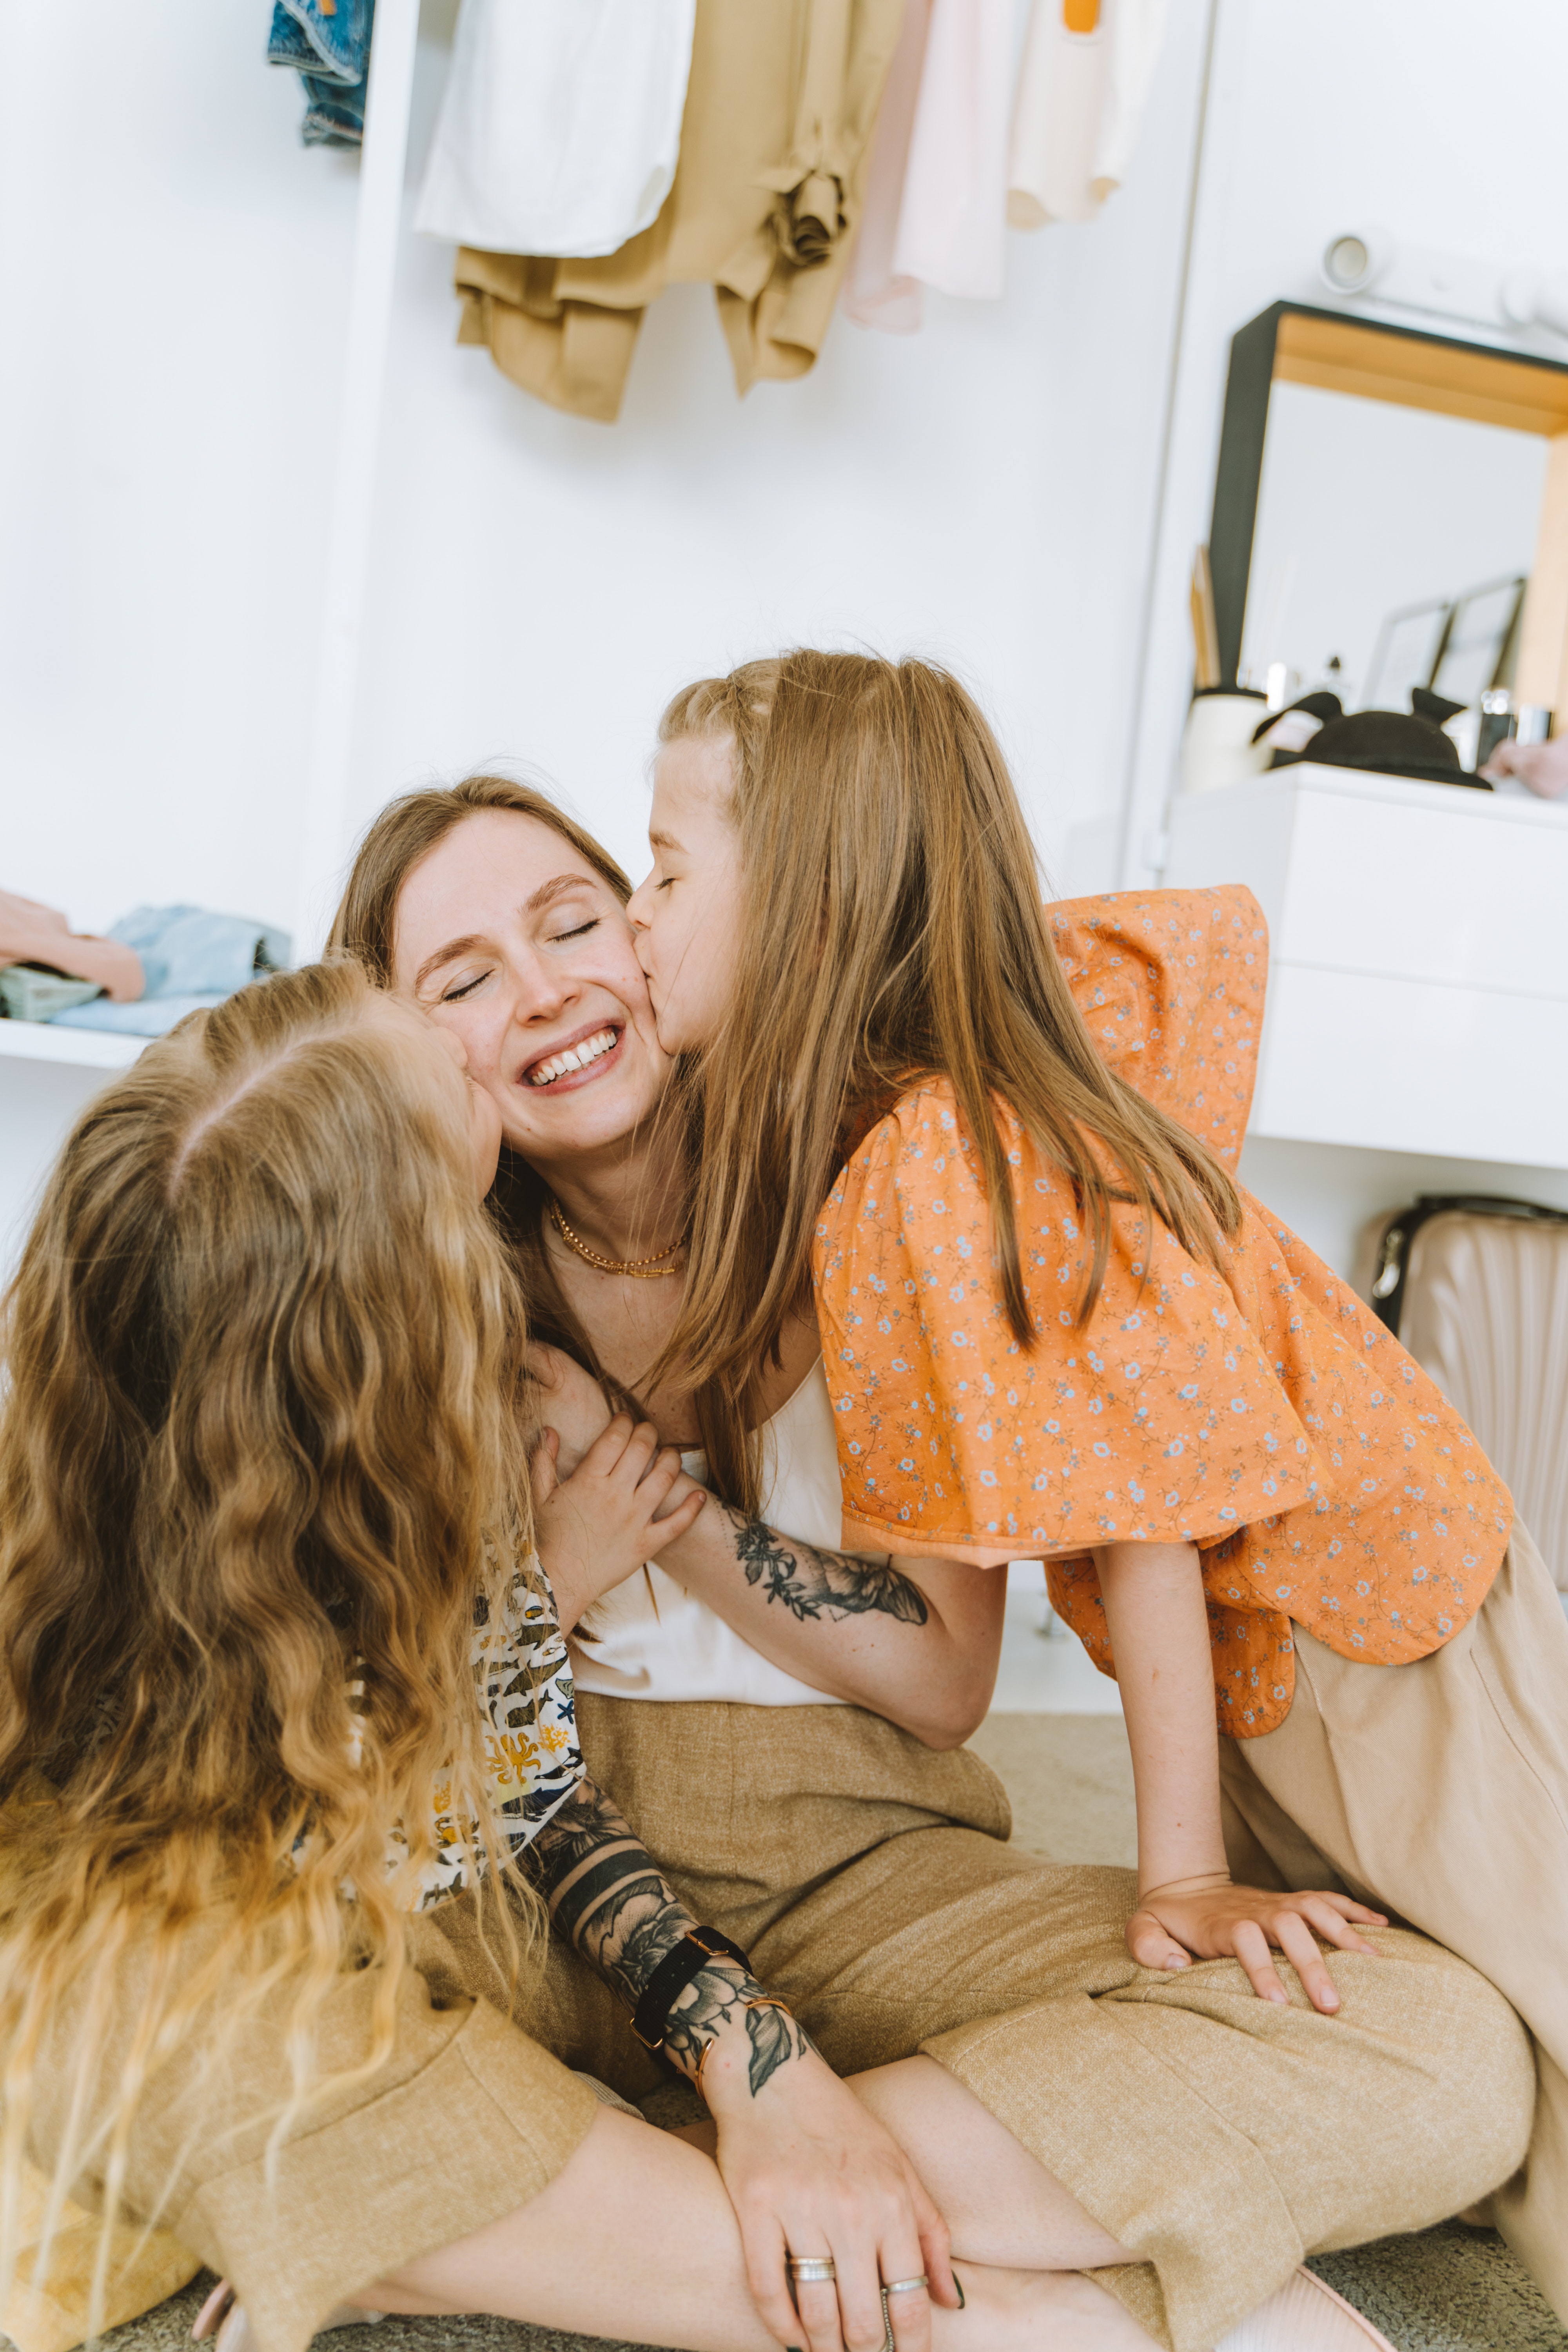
1418, 983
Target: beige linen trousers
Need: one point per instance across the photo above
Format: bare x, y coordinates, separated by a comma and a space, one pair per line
469, 2118
1438, 1791
774, 148
1219, 2137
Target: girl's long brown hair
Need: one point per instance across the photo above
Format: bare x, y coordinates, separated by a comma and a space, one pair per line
260, 1440
893, 928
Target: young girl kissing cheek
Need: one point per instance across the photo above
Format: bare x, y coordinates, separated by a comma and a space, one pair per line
687, 914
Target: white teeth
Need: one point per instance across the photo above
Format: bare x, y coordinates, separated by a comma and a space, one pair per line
572, 1057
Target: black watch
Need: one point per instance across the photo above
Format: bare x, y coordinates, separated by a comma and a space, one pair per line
650, 2019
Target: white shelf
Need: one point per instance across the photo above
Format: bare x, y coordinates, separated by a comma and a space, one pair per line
82, 1049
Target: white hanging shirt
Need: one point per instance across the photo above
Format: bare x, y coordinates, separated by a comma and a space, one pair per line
559, 126
936, 194
654, 1640
1083, 89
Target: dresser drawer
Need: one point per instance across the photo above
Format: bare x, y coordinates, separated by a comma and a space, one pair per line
1413, 1066
1418, 943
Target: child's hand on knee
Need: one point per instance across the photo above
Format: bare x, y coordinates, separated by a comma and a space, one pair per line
1210, 1919
628, 1498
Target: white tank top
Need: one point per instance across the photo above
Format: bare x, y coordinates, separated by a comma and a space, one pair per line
653, 1639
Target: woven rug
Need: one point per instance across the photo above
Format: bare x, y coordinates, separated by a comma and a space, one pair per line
1070, 1779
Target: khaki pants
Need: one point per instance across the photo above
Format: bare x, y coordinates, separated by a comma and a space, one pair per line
1219, 2137
469, 2118
1439, 1791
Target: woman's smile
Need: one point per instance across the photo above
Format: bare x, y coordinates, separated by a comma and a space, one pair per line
576, 1062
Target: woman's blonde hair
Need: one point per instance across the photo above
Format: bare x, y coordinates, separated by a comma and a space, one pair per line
261, 1454
893, 928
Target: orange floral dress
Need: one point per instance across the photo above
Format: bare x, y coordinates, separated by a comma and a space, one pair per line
1268, 1417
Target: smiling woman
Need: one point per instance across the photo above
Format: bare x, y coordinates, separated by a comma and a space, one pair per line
491, 910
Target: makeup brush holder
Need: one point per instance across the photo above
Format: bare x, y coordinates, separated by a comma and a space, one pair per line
1217, 746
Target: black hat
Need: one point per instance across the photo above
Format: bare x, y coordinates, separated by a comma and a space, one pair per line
1394, 742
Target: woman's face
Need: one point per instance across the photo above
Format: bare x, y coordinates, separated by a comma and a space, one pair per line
511, 942
438, 1059
687, 915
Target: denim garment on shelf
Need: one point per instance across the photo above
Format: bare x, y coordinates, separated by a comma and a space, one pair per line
329, 47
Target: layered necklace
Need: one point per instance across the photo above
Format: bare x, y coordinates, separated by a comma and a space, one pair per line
643, 1269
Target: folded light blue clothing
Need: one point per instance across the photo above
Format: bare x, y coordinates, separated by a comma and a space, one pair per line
189, 959
329, 47
150, 1016
188, 949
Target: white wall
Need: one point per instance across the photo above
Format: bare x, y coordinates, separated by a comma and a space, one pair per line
172, 275
984, 492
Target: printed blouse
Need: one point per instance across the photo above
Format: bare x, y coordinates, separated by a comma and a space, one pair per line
1264, 1415
524, 1686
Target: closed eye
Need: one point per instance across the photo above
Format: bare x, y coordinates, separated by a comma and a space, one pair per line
464, 988
582, 930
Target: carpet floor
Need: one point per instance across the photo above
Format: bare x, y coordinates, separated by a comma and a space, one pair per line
1451, 2289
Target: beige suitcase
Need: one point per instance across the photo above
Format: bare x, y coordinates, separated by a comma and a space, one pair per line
1477, 1288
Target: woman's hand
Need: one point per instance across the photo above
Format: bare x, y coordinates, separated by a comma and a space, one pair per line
1213, 1920
571, 1403
810, 2172
628, 1498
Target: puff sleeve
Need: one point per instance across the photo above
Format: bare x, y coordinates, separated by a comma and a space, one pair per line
1159, 1422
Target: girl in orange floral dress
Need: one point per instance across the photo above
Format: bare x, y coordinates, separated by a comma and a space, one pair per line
1056, 1326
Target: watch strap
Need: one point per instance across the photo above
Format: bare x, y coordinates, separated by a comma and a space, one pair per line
683, 1961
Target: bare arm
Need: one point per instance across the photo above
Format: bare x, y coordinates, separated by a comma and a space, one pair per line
914, 1640
1158, 1621
1155, 1614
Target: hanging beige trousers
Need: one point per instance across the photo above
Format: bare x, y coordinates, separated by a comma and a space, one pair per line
1438, 1791
775, 148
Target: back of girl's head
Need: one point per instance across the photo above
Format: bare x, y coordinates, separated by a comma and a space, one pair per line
263, 1367
253, 1356
894, 927
408, 829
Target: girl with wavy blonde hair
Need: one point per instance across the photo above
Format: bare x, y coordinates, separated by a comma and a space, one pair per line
289, 1771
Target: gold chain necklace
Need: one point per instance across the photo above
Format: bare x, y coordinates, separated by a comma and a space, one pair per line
645, 1269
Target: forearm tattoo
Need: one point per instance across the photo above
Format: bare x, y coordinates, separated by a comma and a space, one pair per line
815, 1583
606, 1894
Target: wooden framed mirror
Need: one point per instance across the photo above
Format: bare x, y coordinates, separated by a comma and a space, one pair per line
1395, 502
